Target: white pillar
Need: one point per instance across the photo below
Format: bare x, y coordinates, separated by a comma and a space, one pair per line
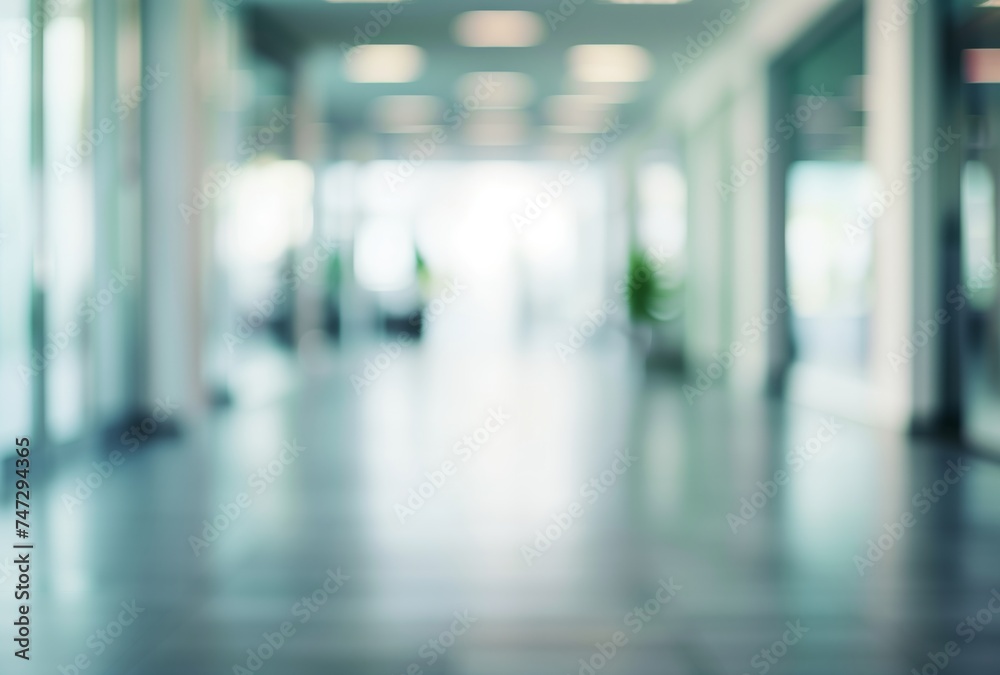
172, 170
705, 292
901, 122
751, 283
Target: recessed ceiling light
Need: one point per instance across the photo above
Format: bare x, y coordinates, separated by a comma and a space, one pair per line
498, 29
406, 114
609, 63
385, 63
494, 90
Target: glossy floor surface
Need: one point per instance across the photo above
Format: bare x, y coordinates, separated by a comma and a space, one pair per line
505, 512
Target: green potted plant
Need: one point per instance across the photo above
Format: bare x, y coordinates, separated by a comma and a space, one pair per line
654, 294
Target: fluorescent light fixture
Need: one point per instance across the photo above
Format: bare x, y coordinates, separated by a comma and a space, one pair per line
491, 90
982, 66
576, 110
609, 63
385, 63
406, 114
503, 28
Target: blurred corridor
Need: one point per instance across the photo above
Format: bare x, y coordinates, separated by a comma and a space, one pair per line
591, 336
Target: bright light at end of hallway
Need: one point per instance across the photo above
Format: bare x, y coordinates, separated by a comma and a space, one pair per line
268, 212
384, 258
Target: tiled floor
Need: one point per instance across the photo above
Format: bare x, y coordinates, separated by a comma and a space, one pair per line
609, 555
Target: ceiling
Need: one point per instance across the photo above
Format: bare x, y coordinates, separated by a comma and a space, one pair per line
315, 34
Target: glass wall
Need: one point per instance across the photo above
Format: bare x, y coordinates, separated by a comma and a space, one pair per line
18, 368
72, 303
975, 299
828, 238
71, 81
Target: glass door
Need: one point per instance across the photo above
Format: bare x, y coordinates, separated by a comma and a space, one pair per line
975, 298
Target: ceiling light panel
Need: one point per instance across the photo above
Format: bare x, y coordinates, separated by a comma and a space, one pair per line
503, 28
385, 63
609, 63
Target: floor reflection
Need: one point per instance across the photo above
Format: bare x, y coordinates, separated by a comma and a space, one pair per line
459, 546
